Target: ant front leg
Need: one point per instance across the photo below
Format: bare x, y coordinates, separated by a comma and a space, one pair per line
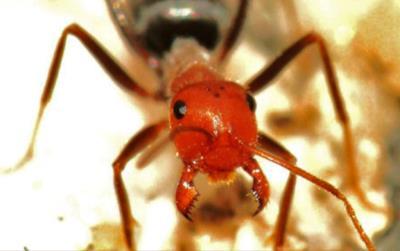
105, 60
264, 78
272, 146
135, 145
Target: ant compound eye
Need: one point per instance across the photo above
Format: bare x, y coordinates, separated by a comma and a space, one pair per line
179, 109
251, 102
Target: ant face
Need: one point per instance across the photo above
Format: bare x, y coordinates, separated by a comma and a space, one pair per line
213, 119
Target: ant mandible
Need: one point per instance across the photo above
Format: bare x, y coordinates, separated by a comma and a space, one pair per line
211, 119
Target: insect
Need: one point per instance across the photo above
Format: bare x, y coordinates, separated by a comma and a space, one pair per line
200, 136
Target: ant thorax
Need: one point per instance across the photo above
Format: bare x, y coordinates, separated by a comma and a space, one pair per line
184, 55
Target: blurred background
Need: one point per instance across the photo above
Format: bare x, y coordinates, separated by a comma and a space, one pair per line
64, 198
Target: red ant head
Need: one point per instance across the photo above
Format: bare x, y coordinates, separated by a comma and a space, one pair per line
210, 121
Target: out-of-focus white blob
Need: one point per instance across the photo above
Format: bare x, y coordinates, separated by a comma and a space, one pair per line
157, 228
245, 238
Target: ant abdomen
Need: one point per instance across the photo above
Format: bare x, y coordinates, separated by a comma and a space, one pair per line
151, 27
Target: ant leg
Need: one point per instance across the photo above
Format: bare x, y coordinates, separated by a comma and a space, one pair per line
322, 184
234, 30
135, 145
263, 79
186, 193
284, 210
154, 149
275, 147
270, 145
105, 60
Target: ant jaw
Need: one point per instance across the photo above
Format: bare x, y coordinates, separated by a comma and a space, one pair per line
187, 212
262, 202
186, 194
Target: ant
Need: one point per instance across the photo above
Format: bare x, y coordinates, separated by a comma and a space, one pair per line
209, 117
